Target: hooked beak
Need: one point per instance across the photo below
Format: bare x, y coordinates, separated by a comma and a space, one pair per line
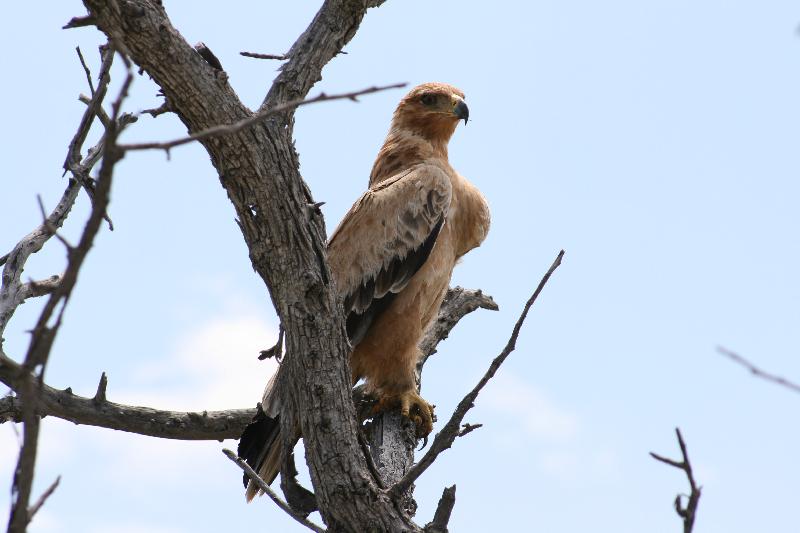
461, 110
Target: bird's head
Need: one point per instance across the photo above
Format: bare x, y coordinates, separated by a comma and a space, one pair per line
431, 110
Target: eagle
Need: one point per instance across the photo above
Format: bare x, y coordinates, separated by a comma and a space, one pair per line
391, 258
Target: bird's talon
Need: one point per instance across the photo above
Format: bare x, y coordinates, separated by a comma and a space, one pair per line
413, 407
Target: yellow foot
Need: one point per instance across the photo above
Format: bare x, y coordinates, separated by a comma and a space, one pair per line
413, 407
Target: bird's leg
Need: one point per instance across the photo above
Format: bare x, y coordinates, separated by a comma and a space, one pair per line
412, 406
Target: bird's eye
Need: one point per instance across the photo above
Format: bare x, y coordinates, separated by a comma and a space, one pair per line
428, 99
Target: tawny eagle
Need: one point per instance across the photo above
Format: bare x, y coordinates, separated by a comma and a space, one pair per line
392, 257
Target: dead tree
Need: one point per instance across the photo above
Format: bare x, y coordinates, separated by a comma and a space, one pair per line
359, 483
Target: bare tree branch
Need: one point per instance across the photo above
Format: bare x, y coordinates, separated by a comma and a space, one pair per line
259, 172
457, 303
12, 291
392, 437
271, 493
79, 22
100, 395
10, 409
689, 512
182, 425
73, 158
43, 498
444, 438
64, 404
34, 289
736, 358
281, 57
85, 69
228, 129
443, 511
44, 333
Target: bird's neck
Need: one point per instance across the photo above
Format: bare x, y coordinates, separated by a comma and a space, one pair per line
403, 149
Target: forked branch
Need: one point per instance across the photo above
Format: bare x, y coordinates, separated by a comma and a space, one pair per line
31, 373
228, 129
688, 512
444, 439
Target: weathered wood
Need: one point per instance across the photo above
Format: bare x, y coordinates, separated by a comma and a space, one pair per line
258, 168
392, 438
182, 425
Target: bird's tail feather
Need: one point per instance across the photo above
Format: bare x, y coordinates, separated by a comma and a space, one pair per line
260, 443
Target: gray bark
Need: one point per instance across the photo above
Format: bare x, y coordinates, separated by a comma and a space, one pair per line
258, 168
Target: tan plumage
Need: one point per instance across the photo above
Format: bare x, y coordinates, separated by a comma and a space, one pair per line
394, 252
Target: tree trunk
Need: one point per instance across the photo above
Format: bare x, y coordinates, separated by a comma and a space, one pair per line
258, 168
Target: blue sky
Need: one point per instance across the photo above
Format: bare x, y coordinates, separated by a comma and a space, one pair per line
656, 142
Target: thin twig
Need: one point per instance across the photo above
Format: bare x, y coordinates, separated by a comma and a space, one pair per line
228, 129
79, 22
468, 428
100, 395
156, 111
44, 333
73, 151
101, 113
80, 169
280, 57
43, 498
689, 512
444, 439
269, 492
85, 69
53, 230
757, 371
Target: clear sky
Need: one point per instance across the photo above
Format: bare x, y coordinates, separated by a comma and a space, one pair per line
656, 142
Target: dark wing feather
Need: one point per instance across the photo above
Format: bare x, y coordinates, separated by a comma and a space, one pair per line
398, 273
384, 240
256, 441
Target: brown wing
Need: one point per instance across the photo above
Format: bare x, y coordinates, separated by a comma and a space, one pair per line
383, 241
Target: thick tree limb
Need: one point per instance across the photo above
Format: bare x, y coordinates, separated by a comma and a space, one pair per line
444, 438
181, 425
258, 168
203, 425
322, 41
34, 289
689, 512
